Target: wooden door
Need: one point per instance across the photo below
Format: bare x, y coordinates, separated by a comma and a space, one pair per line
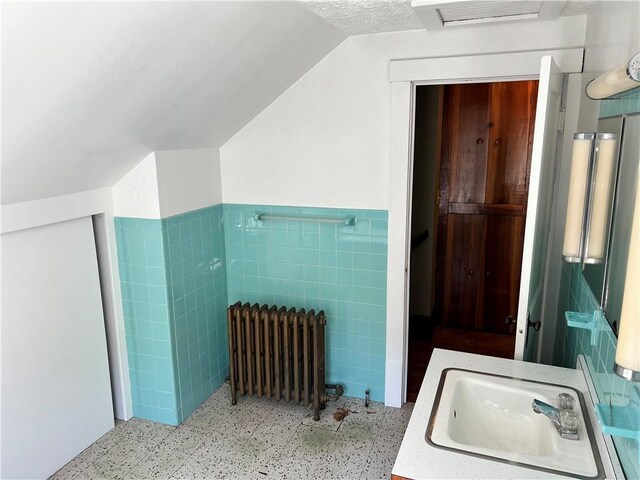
484, 170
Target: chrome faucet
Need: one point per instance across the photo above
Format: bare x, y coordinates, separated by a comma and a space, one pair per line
565, 420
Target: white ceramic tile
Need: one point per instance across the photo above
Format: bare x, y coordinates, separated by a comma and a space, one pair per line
184, 438
195, 468
71, 470
346, 459
377, 470
160, 463
120, 460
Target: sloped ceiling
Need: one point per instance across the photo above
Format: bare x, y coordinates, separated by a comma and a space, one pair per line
90, 88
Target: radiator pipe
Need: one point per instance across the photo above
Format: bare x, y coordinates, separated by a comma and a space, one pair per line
337, 387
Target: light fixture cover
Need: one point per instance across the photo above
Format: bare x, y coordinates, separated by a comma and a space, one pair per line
618, 80
628, 349
439, 14
589, 204
577, 204
600, 202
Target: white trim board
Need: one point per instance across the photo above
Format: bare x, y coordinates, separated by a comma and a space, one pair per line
37, 213
462, 68
404, 75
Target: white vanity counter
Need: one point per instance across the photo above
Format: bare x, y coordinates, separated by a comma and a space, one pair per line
417, 459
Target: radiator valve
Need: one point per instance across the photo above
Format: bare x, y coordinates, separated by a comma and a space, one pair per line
337, 387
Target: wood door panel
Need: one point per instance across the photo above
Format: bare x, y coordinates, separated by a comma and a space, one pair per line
463, 268
468, 123
502, 257
484, 181
510, 141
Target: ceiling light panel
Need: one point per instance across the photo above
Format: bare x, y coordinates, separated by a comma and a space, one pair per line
474, 11
438, 14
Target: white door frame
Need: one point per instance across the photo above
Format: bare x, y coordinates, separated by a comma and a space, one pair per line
404, 76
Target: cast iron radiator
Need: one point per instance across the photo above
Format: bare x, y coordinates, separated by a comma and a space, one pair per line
277, 353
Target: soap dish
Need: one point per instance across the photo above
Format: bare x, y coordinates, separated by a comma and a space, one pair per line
619, 421
585, 321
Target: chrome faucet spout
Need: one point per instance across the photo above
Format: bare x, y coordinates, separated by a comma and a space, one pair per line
547, 410
565, 421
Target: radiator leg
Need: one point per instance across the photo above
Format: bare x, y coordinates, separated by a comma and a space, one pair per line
318, 381
287, 364
296, 357
306, 353
259, 358
233, 369
239, 350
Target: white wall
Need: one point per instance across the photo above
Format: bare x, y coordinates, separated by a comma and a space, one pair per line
612, 38
136, 194
56, 396
188, 180
328, 135
169, 183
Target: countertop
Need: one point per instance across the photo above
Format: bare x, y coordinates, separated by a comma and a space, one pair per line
419, 460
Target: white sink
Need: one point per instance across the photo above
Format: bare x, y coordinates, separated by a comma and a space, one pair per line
491, 416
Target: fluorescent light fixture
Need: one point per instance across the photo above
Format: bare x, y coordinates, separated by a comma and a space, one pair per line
628, 349
589, 205
439, 14
615, 81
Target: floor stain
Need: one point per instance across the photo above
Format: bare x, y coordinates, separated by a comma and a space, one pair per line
361, 430
340, 413
314, 439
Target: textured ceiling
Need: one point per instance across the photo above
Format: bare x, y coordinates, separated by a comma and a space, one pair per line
358, 17
366, 16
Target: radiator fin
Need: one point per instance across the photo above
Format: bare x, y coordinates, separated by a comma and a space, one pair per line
277, 353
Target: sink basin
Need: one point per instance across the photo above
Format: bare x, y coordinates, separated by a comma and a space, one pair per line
490, 416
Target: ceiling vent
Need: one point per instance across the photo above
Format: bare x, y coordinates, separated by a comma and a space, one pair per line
439, 14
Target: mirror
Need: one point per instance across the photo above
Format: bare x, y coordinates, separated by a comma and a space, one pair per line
594, 273
627, 184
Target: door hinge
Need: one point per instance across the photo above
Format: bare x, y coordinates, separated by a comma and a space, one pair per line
561, 118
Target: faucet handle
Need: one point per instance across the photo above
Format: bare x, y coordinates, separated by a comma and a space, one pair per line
568, 424
565, 401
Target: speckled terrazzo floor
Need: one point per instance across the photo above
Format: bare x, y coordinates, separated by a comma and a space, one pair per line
256, 439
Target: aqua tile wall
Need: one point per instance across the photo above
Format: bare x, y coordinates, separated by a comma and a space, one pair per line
174, 294
626, 102
336, 268
576, 296
196, 280
146, 316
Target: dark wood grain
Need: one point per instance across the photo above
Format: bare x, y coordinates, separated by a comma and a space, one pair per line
509, 143
503, 258
485, 209
469, 127
463, 269
484, 177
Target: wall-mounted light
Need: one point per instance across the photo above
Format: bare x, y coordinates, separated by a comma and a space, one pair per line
628, 350
587, 227
615, 81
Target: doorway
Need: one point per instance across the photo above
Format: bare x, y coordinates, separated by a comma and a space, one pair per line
472, 159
